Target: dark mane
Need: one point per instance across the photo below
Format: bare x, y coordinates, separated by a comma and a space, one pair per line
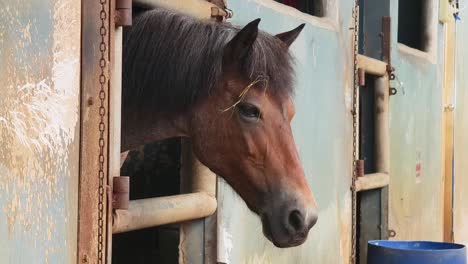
171, 60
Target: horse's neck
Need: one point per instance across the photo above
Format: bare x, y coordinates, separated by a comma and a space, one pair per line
140, 128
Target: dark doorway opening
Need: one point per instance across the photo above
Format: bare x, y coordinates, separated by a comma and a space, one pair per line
311, 7
371, 221
369, 203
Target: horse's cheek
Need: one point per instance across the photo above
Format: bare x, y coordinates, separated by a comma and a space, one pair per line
204, 141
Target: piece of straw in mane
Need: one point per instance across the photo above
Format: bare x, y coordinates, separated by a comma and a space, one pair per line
171, 61
260, 79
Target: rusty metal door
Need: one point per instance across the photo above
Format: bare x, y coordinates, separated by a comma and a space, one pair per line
39, 130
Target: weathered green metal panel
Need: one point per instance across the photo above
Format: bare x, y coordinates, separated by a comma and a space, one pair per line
322, 129
416, 199
39, 130
323, 133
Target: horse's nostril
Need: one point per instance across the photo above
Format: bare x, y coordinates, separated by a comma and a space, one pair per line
296, 220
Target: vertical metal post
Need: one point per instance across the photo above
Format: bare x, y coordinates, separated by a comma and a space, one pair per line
382, 138
355, 113
93, 231
195, 177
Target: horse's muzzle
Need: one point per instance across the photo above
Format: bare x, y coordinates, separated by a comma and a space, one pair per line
288, 225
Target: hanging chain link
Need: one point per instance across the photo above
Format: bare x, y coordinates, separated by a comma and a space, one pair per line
355, 132
102, 127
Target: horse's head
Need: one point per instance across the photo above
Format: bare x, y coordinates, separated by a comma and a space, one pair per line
243, 133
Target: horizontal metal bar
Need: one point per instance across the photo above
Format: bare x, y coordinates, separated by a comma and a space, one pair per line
372, 66
197, 8
372, 181
163, 210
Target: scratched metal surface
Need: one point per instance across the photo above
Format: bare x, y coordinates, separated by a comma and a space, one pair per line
39, 132
323, 133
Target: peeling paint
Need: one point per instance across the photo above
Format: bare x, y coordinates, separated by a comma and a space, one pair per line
35, 116
39, 114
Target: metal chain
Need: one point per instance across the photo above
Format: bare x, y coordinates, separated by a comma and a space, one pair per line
102, 126
355, 132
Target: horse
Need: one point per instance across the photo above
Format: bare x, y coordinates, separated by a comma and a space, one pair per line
230, 90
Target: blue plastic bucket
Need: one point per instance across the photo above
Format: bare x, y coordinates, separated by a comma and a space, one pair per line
414, 252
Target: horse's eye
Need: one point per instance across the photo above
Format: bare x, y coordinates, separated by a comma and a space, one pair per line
248, 110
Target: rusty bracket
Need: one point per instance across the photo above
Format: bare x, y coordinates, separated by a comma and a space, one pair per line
362, 77
387, 44
121, 192
123, 13
359, 168
386, 40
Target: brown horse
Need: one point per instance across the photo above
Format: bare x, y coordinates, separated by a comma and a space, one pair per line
229, 90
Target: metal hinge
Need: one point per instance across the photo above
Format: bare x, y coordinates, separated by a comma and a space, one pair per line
121, 192
362, 77
123, 13
359, 168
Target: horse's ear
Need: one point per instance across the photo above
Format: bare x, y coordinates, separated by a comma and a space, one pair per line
236, 50
290, 36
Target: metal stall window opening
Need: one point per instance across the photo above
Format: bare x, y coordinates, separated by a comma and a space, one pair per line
311, 7
417, 24
412, 22
198, 181
373, 66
